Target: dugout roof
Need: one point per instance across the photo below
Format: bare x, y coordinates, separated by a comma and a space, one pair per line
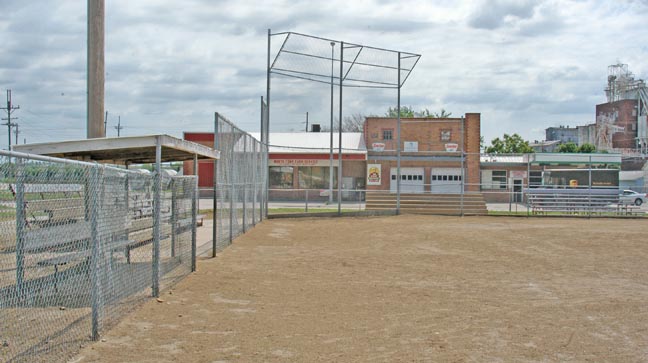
122, 150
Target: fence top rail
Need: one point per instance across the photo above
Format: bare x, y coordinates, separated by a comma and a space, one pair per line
235, 129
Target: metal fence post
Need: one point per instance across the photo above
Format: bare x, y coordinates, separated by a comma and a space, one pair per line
528, 204
174, 215
94, 192
194, 214
20, 224
255, 157
589, 194
244, 183
306, 201
215, 189
157, 186
232, 190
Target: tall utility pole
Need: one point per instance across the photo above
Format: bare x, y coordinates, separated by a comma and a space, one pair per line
96, 75
10, 107
119, 127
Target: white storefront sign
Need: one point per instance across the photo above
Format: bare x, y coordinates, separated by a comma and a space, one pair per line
301, 162
410, 146
451, 146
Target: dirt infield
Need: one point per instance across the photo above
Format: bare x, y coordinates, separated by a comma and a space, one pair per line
404, 289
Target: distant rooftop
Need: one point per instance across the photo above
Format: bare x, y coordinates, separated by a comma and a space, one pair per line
314, 142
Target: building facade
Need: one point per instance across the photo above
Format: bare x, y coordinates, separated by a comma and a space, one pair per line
564, 134
431, 154
299, 164
616, 123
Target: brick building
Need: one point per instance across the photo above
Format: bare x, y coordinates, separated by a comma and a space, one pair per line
430, 153
621, 114
299, 163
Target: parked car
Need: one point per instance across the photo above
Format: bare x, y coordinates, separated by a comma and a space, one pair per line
632, 197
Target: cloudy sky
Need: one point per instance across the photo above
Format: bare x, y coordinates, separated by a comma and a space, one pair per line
524, 65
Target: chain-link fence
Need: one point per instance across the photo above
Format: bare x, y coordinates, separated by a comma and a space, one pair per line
241, 176
455, 183
80, 246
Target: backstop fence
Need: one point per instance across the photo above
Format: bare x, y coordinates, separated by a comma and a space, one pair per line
80, 247
241, 176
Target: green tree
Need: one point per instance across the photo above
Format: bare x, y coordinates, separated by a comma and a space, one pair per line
405, 111
442, 114
510, 144
569, 147
587, 148
408, 111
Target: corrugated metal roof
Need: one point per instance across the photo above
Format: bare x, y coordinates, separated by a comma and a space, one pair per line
314, 142
122, 150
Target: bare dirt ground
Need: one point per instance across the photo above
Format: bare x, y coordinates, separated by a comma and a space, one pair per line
404, 289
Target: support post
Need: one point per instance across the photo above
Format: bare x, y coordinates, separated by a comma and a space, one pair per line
339, 172
263, 187
95, 69
255, 171
244, 183
528, 184
20, 225
232, 189
589, 186
215, 187
194, 213
174, 215
266, 141
398, 147
330, 198
94, 192
157, 189
463, 165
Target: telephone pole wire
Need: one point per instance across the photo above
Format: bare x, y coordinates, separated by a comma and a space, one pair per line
10, 108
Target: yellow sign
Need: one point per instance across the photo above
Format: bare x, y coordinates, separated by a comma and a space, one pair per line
374, 174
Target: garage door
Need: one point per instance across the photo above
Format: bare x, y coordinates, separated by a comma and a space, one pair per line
445, 180
411, 180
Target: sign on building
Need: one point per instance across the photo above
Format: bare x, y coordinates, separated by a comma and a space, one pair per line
374, 174
451, 146
410, 146
378, 146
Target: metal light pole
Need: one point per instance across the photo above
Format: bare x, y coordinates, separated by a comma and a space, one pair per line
331, 131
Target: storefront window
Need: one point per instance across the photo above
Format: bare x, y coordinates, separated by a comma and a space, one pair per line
281, 177
499, 179
315, 177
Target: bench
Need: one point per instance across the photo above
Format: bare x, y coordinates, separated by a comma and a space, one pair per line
52, 203
63, 258
56, 224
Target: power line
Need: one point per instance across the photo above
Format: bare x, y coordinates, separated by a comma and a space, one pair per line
10, 108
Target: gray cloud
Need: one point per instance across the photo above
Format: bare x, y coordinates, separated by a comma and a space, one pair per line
170, 65
494, 14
